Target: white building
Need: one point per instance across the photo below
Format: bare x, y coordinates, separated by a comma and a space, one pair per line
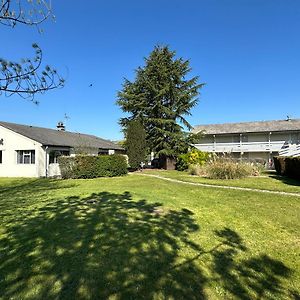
252, 140
29, 151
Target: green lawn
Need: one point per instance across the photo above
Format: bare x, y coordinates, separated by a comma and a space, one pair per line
138, 237
268, 181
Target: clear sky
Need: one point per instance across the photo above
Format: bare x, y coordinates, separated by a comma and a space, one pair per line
246, 51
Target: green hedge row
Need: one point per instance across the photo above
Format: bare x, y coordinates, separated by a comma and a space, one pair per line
85, 166
287, 166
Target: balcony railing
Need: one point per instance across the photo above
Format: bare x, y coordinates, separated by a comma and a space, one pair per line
243, 147
292, 150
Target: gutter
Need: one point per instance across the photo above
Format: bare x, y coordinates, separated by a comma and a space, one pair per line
46, 164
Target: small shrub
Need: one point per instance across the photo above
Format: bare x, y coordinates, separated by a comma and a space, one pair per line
66, 165
229, 169
194, 157
197, 170
253, 169
84, 166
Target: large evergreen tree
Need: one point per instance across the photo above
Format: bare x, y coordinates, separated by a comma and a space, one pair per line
135, 143
161, 96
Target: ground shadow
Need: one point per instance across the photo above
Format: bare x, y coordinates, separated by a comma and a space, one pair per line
21, 193
108, 246
286, 180
259, 277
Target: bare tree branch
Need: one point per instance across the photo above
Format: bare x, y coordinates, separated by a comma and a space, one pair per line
26, 78
28, 12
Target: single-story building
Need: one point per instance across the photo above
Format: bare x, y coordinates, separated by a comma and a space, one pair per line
30, 151
252, 140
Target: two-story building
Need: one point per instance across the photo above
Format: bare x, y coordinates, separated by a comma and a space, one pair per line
252, 140
30, 151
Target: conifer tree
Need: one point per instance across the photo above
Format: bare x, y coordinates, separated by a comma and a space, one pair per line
161, 96
135, 143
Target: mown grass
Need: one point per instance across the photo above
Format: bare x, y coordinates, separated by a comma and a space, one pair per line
268, 181
137, 237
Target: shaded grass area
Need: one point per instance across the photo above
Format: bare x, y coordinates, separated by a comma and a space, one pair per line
269, 181
142, 238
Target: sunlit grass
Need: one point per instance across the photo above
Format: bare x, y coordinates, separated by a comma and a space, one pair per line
267, 181
137, 237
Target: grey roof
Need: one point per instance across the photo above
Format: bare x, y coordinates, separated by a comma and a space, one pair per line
52, 137
248, 127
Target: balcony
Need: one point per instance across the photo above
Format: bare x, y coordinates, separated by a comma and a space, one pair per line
243, 147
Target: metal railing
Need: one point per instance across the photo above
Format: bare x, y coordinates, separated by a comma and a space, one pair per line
290, 150
273, 146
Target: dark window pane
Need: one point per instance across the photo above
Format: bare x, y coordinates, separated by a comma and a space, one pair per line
19, 157
0, 157
32, 156
51, 157
26, 159
54, 154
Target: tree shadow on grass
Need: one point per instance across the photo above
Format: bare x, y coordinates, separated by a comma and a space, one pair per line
108, 246
286, 180
22, 193
258, 277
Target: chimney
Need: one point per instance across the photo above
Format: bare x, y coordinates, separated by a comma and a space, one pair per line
60, 126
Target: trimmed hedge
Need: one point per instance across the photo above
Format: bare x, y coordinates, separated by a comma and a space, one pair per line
86, 166
287, 166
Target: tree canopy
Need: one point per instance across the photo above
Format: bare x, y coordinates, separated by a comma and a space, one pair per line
161, 96
27, 77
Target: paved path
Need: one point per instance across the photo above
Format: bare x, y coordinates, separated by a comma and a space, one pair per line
221, 186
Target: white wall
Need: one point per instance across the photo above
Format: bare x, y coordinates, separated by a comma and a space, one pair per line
53, 169
258, 137
11, 143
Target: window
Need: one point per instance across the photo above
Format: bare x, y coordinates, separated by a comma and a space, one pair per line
55, 154
25, 156
244, 138
0, 157
103, 152
236, 138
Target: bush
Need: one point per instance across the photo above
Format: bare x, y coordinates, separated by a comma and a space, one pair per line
279, 164
194, 157
84, 166
287, 166
197, 170
229, 169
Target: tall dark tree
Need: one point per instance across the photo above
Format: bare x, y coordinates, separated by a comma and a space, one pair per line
27, 77
161, 96
135, 143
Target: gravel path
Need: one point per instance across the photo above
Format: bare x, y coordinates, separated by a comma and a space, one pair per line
222, 186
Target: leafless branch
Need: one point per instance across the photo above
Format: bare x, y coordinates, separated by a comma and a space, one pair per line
26, 79
28, 12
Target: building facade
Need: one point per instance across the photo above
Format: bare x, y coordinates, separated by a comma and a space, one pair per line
29, 151
256, 141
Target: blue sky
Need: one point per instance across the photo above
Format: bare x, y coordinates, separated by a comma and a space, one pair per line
246, 51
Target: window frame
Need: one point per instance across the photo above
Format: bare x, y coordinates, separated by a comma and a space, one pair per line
54, 154
25, 157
